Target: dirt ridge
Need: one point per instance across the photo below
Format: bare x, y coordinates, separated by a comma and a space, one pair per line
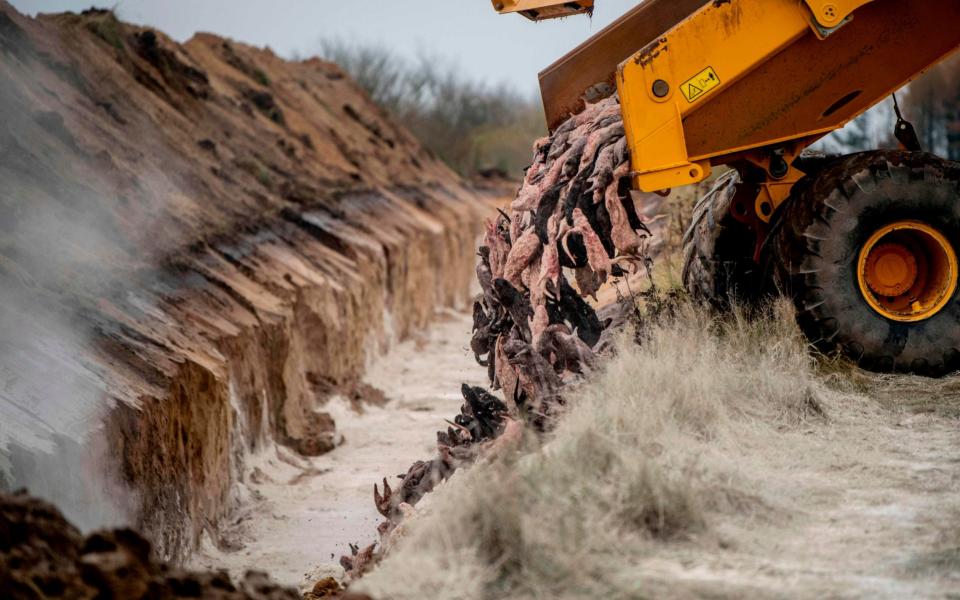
251, 229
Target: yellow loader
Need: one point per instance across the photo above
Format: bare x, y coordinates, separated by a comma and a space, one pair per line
866, 244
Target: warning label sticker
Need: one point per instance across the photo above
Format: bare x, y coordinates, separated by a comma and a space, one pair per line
697, 86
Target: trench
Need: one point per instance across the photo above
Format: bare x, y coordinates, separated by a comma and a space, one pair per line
182, 455
202, 246
268, 384
301, 513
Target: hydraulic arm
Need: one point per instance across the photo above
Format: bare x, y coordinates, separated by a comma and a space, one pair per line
702, 83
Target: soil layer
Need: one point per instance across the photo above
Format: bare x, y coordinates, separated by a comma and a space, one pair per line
200, 243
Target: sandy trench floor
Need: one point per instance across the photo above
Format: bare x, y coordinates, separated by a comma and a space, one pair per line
300, 514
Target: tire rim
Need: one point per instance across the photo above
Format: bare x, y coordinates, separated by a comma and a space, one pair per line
907, 271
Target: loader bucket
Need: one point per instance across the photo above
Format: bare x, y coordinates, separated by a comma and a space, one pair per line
589, 71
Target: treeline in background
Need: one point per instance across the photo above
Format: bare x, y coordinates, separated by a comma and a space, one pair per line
482, 128
476, 127
931, 103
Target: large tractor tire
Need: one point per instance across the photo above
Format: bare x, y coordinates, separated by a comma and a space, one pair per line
867, 248
718, 266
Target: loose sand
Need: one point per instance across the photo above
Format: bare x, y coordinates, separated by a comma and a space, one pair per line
302, 513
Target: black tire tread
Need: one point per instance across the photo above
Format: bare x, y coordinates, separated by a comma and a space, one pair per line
803, 224
713, 272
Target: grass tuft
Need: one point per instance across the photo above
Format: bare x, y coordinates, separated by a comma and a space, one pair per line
105, 25
635, 463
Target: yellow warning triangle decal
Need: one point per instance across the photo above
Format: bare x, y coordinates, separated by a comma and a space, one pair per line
693, 92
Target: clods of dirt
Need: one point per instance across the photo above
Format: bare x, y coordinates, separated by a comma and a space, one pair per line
44, 556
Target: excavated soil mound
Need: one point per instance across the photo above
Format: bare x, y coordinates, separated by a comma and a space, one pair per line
44, 556
199, 243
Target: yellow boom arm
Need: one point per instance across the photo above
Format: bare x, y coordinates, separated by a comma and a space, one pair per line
745, 80
717, 48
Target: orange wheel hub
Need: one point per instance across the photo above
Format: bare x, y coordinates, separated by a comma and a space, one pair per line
891, 269
907, 271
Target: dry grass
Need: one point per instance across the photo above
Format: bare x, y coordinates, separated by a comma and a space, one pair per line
896, 393
944, 557
640, 462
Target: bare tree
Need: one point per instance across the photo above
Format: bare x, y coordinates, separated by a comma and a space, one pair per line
932, 103
470, 124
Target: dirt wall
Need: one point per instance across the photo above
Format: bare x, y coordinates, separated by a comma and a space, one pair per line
198, 243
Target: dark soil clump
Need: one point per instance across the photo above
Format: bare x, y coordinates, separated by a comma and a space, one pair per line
44, 556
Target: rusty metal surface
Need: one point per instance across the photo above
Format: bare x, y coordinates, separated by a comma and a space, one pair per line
590, 68
803, 88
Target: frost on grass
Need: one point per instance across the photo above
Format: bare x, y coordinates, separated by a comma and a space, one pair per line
639, 462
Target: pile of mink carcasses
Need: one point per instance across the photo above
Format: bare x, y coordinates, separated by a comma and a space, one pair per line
574, 217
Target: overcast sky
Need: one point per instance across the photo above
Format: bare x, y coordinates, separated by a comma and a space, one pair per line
468, 32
